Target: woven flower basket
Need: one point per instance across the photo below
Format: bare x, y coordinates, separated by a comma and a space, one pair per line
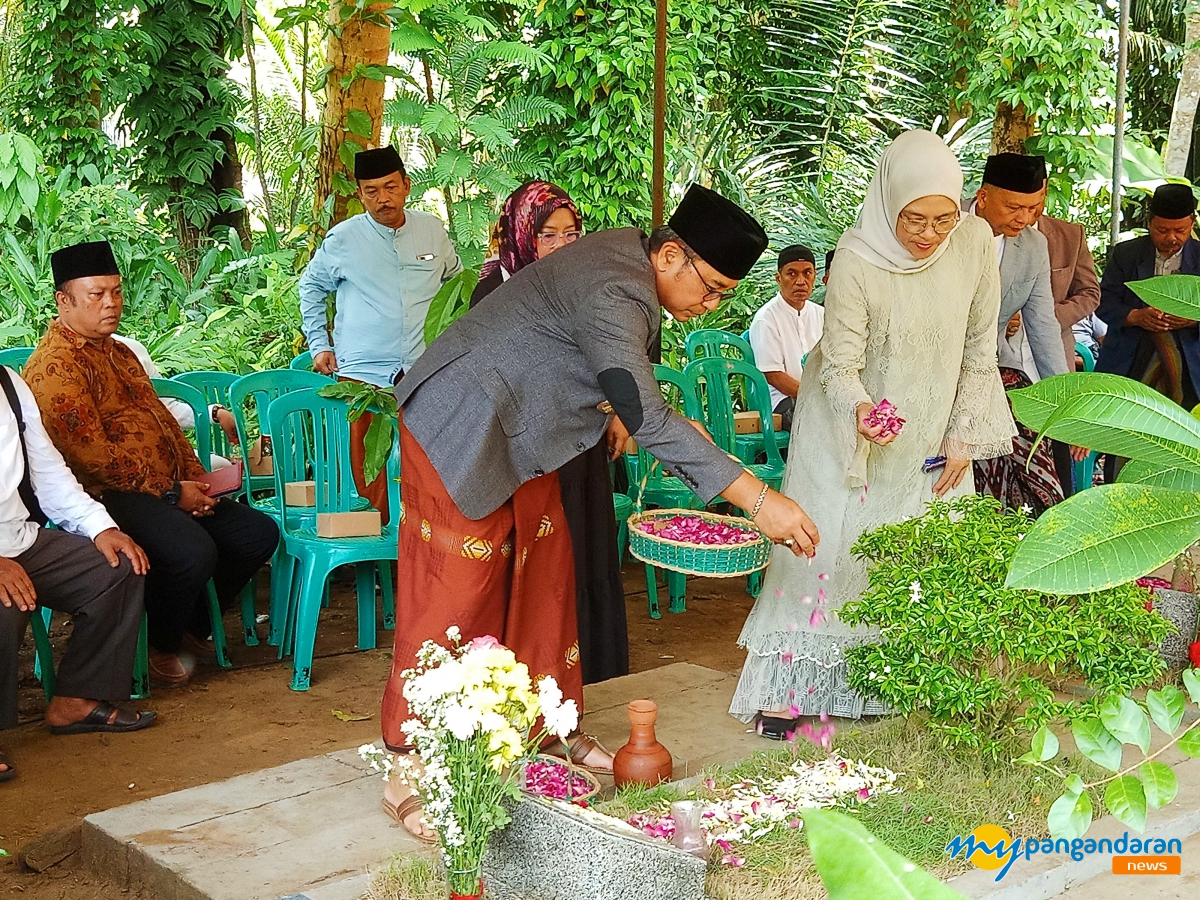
713, 560
576, 773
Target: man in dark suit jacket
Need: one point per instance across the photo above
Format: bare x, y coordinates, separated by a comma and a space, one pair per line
1144, 343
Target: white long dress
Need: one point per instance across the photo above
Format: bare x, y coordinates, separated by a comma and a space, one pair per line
926, 341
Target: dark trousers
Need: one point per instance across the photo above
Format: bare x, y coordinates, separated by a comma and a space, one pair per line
1064, 467
786, 409
70, 575
185, 552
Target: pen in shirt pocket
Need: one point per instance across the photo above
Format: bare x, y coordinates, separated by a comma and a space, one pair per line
424, 257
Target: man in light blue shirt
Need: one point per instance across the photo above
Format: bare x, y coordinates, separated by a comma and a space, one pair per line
385, 265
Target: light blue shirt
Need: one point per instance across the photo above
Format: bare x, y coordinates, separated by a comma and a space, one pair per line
385, 279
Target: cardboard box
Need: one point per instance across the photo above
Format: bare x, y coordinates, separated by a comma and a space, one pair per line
747, 423
261, 461
300, 493
750, 423
367, 523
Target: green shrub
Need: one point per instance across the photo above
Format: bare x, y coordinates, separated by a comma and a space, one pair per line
977, 658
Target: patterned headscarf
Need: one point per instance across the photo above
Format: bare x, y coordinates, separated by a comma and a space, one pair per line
525, 212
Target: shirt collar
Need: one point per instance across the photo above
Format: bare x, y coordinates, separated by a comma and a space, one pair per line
76, 341
383, 230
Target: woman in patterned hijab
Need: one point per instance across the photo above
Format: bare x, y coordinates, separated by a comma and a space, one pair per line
537, 219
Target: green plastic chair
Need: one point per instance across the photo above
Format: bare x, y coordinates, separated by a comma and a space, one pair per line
198, 402
293, 419
302, 361
215, 388
1085, 469
16, 357
712, 342
260, 389
713, 377
651, 487
622, 509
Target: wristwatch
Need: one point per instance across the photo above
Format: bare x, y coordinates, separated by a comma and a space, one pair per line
172, 494
212, 412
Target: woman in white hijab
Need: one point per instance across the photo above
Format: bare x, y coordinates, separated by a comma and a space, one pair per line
910, 317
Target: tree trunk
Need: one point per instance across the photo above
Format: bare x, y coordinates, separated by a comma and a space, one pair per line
1011, 128
1187, 96
356, 42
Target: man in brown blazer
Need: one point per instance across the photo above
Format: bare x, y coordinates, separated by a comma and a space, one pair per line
1072, 276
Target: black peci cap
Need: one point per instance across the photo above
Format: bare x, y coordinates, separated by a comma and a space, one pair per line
723, 234
795, 253
379, 163
1173, 201
1015, 172
82, 261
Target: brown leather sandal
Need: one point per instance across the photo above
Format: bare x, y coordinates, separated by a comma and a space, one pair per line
578, 746
405, 808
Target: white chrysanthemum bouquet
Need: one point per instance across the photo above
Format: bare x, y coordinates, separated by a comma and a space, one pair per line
474, 707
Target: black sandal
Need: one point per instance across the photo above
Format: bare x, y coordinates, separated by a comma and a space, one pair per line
777, 728
98, 720
8, 773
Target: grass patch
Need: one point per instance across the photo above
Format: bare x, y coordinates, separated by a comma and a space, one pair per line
408, 878
945, 793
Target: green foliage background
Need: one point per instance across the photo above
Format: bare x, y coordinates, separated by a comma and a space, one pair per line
783, 105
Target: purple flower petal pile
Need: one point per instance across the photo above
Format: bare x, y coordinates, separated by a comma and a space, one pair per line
884, 414
695, 530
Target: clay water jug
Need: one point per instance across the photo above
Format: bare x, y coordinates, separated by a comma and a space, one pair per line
643, 759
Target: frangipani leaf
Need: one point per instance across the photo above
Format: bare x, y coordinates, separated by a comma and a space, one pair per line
1105, 536
1138, 471
854, 864
1132, 421
1178, 295
1033, 405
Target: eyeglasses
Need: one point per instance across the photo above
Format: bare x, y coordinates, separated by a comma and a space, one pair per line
713, 293
550, 239
917, 224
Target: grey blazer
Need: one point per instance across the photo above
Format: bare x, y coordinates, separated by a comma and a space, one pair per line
511, 390
1025, 286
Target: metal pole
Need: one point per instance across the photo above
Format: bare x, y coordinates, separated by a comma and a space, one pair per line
1119, 120
660, 111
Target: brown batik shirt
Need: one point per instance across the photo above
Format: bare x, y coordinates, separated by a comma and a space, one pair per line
104, 416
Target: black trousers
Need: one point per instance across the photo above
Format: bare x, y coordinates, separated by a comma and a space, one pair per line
185, 552
786, 409
70, 575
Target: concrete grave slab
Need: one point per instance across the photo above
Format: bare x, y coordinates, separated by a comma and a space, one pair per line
313, 828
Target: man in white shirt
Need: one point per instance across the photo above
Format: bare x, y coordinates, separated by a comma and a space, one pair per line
786, 328
87, 568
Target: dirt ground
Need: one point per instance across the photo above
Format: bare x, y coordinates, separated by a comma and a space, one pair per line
227, 723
